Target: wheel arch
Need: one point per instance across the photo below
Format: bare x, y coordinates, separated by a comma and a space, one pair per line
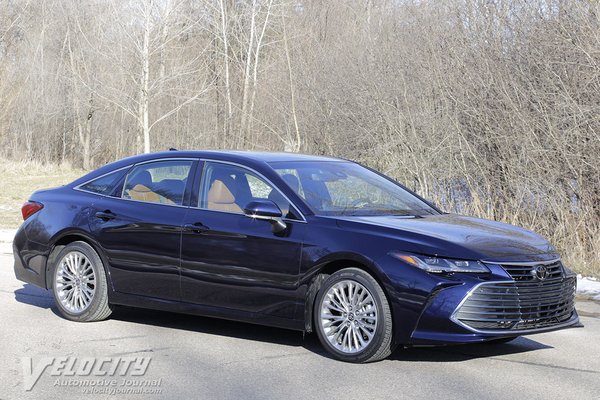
62, 239
330, 266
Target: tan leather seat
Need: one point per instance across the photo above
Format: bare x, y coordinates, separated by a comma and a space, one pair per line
142, 193
221, 198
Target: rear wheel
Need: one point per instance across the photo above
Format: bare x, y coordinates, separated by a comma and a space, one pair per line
79, 284
353, 318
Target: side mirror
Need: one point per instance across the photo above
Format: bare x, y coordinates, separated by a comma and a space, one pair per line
268, 211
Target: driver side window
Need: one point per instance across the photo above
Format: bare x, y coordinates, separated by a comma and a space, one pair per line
230, 188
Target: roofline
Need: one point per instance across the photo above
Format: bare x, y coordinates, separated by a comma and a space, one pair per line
255, 159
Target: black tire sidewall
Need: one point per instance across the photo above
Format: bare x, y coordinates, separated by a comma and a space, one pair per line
97, 267
376, 292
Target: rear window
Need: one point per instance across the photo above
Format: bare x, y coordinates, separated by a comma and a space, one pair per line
158, 182
104, 184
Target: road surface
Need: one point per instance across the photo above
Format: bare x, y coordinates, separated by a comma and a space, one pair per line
203, 358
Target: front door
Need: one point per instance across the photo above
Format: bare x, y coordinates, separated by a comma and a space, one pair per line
235, 262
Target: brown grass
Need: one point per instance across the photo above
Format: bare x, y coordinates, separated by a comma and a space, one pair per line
21, 179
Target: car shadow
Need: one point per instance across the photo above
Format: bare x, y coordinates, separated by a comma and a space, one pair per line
215, 326
246, 331
35, 296
464, 352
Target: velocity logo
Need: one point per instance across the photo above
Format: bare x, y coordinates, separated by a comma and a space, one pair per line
101, 370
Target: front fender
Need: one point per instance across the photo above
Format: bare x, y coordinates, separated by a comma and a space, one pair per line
330, 263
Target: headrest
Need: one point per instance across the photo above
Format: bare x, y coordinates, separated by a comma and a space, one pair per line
141, 178
292, 181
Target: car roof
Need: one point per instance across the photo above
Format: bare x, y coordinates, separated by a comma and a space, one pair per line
265, 156
244, 157
250, 158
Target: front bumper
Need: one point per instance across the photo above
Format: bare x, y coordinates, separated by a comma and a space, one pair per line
506, 305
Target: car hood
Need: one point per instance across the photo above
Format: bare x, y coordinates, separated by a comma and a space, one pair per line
457, 236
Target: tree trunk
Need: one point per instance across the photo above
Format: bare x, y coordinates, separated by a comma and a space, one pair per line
226, 61
295, 144
144, 97
246, 86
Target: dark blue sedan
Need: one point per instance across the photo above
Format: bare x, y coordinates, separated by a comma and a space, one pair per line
302, 242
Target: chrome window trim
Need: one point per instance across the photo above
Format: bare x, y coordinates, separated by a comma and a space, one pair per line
135, 201
166, 159
303, 220
130, 166
78, 187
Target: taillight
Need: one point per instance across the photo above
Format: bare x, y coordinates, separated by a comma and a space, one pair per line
30, 208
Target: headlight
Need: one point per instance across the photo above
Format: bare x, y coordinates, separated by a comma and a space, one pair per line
441, 265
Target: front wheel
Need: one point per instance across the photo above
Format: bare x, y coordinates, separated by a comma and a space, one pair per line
79, 284
353, 318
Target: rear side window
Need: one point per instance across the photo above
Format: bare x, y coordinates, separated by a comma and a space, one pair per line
161, 182
104, 184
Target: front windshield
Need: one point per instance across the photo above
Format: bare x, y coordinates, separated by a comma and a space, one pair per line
346, 188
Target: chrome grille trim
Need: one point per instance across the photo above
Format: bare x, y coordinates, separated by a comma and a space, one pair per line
524, 272
525, 304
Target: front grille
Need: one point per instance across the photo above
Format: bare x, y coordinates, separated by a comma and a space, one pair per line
524, 272
526, 303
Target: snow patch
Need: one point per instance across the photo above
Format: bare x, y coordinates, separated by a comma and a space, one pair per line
589, 286
7, 235
6, 239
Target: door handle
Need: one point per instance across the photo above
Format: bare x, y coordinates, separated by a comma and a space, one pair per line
197, 227
106, 215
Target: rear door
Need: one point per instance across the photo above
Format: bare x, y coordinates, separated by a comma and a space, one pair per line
140, 230
235, 262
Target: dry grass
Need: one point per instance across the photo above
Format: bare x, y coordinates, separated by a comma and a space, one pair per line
21, 179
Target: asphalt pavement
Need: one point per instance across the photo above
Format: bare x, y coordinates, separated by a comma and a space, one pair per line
202, 358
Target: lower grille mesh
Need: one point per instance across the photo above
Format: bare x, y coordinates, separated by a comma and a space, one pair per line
519, 305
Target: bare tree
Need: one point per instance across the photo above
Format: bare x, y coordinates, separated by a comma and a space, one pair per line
488, 107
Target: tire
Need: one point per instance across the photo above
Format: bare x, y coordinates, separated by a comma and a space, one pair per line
371, 321
79, 284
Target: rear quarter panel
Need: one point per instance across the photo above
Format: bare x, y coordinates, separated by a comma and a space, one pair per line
65, 211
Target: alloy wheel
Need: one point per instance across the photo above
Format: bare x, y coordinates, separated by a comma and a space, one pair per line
348, 316
75, 282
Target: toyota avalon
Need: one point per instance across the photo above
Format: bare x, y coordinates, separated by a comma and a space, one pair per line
314, 244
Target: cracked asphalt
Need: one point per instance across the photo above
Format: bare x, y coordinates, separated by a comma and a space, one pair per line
203, 358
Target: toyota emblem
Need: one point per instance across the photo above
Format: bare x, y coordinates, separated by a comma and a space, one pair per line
540, 272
